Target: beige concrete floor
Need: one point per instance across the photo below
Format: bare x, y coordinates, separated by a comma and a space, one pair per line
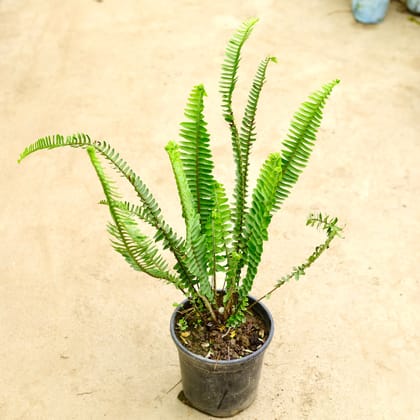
85, 337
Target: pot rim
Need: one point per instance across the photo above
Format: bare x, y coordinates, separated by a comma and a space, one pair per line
203, 359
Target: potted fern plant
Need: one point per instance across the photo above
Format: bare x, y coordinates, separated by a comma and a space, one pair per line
220, 331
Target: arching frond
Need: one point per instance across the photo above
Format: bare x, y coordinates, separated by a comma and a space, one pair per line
300, 140
150, 208
55, 141
196, 155
138, 250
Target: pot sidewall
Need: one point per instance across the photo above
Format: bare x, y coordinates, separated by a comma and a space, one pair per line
369, 11
414, 6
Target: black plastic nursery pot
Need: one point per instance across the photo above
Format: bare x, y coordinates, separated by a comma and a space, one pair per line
221, 388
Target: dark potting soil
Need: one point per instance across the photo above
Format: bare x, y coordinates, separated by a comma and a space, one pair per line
218, 342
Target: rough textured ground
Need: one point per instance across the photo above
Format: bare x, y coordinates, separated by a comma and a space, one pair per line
79, 328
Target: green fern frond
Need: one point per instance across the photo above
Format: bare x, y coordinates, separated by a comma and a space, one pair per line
151, 211
136, 248
53, 142
139, 250
131, 208
247, 134
196, 155
141, 213
218, 232
227, 85
247, 137
231, 64
331, 228
196, 245
257, 222
150, 208
300, 140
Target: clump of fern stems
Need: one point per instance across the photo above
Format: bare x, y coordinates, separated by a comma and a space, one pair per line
224, 239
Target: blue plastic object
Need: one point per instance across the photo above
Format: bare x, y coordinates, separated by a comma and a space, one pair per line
414, 6
369, 11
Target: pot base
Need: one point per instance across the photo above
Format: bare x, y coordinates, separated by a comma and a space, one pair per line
181, 397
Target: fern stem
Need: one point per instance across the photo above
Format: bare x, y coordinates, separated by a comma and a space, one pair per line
209, 308
330, 226
213, 255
